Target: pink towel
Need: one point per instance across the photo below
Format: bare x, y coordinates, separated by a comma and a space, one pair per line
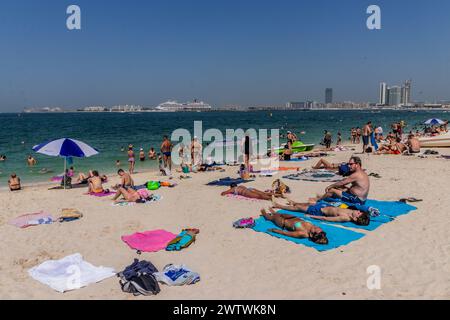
26, 220
149, 241
104, 194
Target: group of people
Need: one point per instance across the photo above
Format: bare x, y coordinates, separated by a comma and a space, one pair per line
352, 192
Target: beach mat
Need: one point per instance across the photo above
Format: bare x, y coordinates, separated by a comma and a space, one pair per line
149, 241
227, 182
315, 176
103, 194
389, 210
31, 219
337, 236
238, 197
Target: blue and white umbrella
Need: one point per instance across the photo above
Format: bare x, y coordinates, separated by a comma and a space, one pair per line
66, 148
434, 121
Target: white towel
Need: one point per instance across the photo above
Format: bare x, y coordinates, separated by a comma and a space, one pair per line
69, 273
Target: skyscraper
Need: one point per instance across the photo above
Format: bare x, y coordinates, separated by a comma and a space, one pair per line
395, 96
328, 95
383, 94
406, 92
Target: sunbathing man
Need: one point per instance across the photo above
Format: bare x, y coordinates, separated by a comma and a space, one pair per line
14, 183
250, 192
359, 185
125, 180
295, 227
327, 212
95, 183
413, 144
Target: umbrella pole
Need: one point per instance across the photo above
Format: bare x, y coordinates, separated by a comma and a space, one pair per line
64, 175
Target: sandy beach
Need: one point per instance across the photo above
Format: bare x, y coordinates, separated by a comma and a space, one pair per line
411, 251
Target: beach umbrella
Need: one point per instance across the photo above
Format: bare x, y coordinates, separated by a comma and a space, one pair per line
434, 121
66, 148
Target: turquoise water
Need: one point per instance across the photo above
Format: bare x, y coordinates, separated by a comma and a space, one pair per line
108, 132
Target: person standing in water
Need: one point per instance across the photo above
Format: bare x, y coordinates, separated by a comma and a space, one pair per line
166, 150
367, 131
131, 159
31, 161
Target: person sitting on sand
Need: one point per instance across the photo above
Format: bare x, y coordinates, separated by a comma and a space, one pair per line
131, 195
359, 185
31, 161
14, 183
295, 227
413, 144
95, 183
251, 193
324, 164
141, 155
125, 180
327, 212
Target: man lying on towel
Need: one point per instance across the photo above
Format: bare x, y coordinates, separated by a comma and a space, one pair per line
295, 227
327, 212
359, 183
251, 193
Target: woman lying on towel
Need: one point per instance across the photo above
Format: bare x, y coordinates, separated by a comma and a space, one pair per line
295, 227
327, 212
251, 193
131, 195
324, 164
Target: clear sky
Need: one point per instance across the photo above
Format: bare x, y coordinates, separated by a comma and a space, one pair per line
250, 52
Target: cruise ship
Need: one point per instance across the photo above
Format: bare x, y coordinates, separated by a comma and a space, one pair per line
173, 106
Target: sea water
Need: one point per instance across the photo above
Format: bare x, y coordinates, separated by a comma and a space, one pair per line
109, 132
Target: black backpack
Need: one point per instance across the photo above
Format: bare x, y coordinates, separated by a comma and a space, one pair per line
138, 279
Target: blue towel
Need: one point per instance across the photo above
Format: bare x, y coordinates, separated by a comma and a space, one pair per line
227, 182
336, 236
388, 211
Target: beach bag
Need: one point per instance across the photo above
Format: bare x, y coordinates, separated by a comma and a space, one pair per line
280, 187
70, 215
138, 279
177, 275
183, 240
68, 181
153, 185
344, 170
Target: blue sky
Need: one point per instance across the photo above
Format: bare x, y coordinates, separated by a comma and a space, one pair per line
224, 52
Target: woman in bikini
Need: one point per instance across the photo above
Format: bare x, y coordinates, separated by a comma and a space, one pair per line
295, 227
250, 192
131, 159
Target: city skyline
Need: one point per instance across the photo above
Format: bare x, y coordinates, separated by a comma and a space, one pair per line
226, 53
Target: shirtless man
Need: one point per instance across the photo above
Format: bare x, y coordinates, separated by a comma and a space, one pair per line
250, 193
31, 161
413, 144
95, 183
166, 150
291, 137
327, 212
359, 185
295, 227
125, 180
367, 130
14, 183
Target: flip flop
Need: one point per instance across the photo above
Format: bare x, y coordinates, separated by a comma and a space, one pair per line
404, 200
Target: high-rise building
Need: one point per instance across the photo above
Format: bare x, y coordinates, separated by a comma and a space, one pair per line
395, 96
328, 95
383, 94
406, 92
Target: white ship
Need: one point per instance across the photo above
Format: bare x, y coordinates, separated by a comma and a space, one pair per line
173, 106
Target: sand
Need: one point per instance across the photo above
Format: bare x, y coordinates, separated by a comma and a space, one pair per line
411, 251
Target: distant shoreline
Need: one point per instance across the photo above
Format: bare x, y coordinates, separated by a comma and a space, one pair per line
252, 110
